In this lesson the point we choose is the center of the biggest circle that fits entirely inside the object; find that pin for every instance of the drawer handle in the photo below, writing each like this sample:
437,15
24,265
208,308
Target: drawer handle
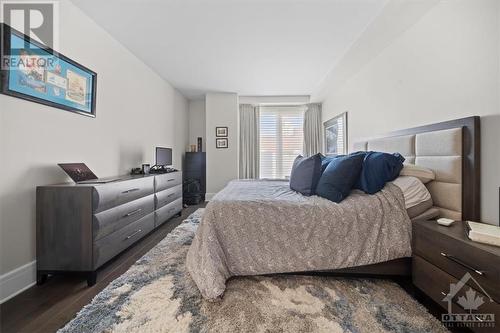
133,212
131,190
135,233
461,263
171,180
171,210
171,194
443,293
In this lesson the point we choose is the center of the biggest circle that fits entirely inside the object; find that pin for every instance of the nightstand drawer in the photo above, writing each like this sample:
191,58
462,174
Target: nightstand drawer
435,283
457,257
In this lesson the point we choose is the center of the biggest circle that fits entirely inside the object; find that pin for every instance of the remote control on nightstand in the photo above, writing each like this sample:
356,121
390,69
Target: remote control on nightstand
444,221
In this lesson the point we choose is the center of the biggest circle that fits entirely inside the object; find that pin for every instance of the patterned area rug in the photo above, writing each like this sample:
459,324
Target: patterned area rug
157,295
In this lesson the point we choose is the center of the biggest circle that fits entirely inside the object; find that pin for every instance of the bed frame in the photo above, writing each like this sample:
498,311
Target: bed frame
469,184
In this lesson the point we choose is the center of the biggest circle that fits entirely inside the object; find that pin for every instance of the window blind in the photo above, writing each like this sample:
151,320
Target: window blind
281,139
340,137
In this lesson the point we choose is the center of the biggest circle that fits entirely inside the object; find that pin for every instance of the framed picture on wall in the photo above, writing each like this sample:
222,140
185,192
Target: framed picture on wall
221,131
221,143
37,73
335,131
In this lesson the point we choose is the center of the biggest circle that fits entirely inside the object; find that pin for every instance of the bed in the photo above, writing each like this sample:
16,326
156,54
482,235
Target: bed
262,227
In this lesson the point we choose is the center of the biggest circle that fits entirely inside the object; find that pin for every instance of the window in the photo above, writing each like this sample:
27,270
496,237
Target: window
281,139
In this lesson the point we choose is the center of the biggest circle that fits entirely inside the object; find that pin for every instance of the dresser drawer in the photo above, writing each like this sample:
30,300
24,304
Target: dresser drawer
113,219
167,196
113,194
436,284
109,246
167,180
167,211
458,257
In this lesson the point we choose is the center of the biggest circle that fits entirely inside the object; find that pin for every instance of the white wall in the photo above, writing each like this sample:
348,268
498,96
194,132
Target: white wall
136,110
222,164
444,65
197,122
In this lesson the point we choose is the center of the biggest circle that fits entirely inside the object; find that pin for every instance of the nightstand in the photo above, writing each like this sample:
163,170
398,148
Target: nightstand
443,256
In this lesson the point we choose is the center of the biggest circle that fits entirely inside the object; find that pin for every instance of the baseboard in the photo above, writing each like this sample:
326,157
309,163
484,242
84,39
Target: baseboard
209,196
17,281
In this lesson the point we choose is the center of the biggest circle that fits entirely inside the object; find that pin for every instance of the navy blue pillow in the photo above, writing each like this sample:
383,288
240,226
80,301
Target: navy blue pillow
325,160
378,169
339,177
305,174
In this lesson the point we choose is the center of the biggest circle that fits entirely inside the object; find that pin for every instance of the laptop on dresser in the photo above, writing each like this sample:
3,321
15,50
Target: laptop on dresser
81,174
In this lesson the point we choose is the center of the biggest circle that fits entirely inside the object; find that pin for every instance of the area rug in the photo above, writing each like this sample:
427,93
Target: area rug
157,295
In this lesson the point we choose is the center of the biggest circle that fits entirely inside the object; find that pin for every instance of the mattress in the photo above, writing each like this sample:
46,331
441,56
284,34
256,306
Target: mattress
255,227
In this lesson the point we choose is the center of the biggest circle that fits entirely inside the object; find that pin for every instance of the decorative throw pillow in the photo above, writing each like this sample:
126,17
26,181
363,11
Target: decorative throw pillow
305,174
378,169
339,176
325,160
416,195
424,174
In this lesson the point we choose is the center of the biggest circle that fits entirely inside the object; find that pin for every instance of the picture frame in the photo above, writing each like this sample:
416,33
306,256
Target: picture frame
221,132
221,143
36,73
335,135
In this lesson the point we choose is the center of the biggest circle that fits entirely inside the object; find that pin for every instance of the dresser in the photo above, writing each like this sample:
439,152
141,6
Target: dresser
446,265
80,227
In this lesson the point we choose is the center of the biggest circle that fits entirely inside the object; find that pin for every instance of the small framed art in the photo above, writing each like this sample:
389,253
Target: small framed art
221,143
221,132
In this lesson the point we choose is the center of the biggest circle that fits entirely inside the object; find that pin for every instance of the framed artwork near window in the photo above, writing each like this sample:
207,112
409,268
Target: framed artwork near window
221,143
36,73
335,131
221,131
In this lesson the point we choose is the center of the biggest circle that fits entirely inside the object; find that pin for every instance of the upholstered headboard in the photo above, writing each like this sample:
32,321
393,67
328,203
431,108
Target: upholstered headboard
452,150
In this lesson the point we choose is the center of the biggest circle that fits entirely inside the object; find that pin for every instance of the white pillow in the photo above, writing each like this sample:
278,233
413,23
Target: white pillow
414,191
425,175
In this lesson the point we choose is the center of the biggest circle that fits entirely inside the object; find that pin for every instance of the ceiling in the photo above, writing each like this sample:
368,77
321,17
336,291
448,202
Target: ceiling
259,47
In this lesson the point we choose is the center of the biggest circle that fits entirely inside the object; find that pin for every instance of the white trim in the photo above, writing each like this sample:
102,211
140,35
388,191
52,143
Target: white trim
17,281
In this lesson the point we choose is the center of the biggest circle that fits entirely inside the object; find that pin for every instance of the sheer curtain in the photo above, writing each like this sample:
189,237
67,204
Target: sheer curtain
249,141
312,130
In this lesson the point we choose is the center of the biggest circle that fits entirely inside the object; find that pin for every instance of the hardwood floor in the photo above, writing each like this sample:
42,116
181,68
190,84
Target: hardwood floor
48,307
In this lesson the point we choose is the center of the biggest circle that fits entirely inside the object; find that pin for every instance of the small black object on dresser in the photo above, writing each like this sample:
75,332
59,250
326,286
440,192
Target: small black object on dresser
194,178
80,227
460,275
